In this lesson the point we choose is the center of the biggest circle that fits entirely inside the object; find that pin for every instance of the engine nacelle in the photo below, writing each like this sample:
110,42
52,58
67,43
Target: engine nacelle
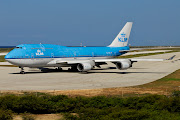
84,67
122,65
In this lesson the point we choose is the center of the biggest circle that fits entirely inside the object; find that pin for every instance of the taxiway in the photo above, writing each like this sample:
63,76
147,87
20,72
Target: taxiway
105,77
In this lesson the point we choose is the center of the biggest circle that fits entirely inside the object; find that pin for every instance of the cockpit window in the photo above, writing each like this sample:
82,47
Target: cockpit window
18,47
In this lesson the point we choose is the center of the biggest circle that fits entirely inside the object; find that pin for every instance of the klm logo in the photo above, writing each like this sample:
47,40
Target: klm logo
122,38
39,52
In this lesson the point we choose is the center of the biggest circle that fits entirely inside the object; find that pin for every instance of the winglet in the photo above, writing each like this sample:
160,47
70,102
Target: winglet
171,57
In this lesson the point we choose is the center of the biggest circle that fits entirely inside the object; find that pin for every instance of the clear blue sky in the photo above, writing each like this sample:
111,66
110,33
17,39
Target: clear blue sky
91,22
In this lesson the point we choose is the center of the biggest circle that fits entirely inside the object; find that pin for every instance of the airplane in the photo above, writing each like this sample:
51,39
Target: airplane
80,59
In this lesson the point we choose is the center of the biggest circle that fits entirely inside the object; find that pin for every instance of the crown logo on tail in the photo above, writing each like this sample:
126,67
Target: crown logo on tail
122,38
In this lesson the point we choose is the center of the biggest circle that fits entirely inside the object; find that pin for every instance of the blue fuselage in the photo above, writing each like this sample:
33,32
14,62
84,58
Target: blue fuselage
29,51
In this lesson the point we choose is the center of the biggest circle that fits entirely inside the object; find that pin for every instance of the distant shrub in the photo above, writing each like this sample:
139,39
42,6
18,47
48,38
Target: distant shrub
171,104
176,93
5,115
69,116
99,107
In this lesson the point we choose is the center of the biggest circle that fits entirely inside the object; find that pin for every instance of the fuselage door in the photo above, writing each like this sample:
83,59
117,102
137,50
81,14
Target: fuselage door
92,54
74,54
32,55
52,55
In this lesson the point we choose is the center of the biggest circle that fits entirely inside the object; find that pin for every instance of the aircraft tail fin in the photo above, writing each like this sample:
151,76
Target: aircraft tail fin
122,38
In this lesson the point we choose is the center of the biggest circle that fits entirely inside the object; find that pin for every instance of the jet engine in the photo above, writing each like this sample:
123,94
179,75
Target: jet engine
85,66
124,64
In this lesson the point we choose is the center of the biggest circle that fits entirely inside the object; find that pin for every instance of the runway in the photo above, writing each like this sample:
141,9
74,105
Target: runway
3,53
106,77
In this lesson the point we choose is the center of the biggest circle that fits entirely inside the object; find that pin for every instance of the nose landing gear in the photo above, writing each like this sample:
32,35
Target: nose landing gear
22,70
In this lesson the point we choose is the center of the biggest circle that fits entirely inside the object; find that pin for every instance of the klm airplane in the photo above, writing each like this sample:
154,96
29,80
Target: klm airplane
80,59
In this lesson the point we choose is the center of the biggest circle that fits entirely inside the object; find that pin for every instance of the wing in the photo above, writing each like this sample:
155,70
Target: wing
86,65
127,63
69,61
131,59
76,61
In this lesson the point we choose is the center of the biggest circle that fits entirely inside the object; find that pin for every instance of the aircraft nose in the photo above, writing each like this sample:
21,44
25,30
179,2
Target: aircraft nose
7,56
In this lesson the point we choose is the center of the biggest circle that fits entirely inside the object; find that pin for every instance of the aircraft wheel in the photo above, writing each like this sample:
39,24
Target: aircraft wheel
22,72
59,69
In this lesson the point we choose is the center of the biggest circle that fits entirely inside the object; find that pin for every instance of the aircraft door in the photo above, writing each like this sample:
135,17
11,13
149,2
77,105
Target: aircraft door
74,54
52,55
92,54
32,55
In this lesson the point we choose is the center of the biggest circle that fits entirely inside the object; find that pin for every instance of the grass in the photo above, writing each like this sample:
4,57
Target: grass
171,79
174,75
5,49
2,58
167,84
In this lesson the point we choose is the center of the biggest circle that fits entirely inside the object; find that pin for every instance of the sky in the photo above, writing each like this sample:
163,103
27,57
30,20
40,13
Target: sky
90,22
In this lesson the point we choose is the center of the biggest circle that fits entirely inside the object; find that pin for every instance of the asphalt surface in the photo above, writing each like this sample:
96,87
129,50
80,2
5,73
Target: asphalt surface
105,77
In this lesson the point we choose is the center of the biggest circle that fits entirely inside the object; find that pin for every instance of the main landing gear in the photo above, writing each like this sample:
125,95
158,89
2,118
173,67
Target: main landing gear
59,69
22,70
73,69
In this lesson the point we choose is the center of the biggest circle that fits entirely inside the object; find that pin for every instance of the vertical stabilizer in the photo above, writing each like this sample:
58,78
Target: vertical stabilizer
122,38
